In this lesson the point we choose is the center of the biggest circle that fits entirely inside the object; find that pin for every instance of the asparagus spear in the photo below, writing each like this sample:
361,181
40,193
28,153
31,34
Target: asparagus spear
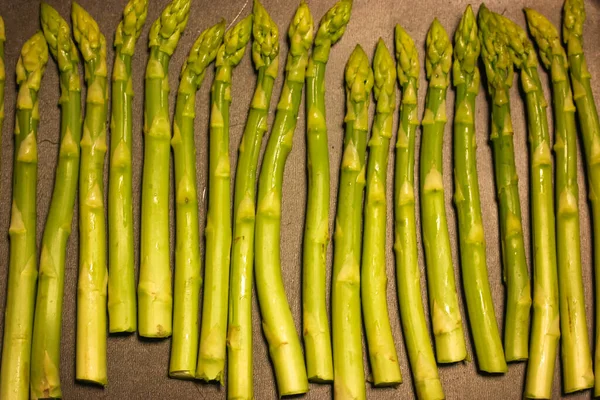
317,337
278,324
2,76
443,300
488,345
382,351
265,54
500,73
45,352
121,280
213,335
184,346
575,351
22,270
349,379
154,288
574,17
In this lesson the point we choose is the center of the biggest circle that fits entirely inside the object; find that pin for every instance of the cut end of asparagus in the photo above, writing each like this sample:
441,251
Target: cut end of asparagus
31,66
204,51
573,20
58,36
331,28
384,73
130,27
359,76
438,58
90,40
407,56
546,37
232,50
166,30
265,46
300,32
466,46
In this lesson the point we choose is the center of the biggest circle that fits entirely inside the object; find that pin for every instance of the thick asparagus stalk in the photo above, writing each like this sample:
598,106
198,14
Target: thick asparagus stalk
349,378
45,351
121,279
265,54
278,325
154,288
488,345
2,76
443,300
184,345
382,351
500,75
317,337
213,335
22,270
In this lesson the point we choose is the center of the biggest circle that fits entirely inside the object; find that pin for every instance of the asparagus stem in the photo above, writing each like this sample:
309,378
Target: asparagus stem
45,352
443,299
500,74
213,335
382,351
488,345
265,54
349,379
154,288
2,76
574,17
184,345
317,337
22,272
278,325
121,279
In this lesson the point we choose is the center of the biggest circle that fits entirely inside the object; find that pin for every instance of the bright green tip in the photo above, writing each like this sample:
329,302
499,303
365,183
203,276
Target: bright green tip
300,32
234,44
2,34
334,22
204,49
466,42
265,46
130,27
58,36
407,56
573,19
545,35
438,58
167,29
384,74
359,76
495,53
86,33
32,61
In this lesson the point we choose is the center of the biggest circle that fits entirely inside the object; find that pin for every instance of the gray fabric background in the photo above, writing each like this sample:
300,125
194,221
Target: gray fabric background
137,369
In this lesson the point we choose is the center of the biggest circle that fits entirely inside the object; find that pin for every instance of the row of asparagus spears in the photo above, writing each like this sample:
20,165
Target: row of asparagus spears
31,347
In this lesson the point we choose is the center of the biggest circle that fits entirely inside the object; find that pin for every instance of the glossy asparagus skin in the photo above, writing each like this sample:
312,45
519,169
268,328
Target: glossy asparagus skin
278,325
22,270
45,350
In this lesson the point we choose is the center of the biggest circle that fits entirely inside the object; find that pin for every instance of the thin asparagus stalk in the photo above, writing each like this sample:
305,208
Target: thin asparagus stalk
2,75
265,54
349,378
154,288
382,351
184,345
574,17
488,345
416,332
45,351
500,74
121,279
443,299
317,337
213,335
278,325
575,350
22,270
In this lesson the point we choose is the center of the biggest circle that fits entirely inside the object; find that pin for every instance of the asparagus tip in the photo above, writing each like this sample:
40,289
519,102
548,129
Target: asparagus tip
545,35
300,31
166,30
407,56
438,59
358,75
384,74
204,49
130,27
333,24
234,43
466,44
265,46
58,36
573,19
31,63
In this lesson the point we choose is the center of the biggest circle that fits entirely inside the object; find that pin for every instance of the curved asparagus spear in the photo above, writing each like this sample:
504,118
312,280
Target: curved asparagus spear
184,345
317,337
213,335
574,17
349,378
500,73
121,279
278,324
575,350
45,351
2,76
265,54
155,299
488,345
382,351
443,300
22,270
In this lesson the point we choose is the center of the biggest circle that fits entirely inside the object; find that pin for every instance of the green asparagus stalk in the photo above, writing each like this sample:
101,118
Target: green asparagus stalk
121,279
184,346
278,325
213,335
488,345
2,76
349,378
265,54
154,288
416,332
382,351
443,299
317,337
575,350
574,17
45,352
500,73
22,270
